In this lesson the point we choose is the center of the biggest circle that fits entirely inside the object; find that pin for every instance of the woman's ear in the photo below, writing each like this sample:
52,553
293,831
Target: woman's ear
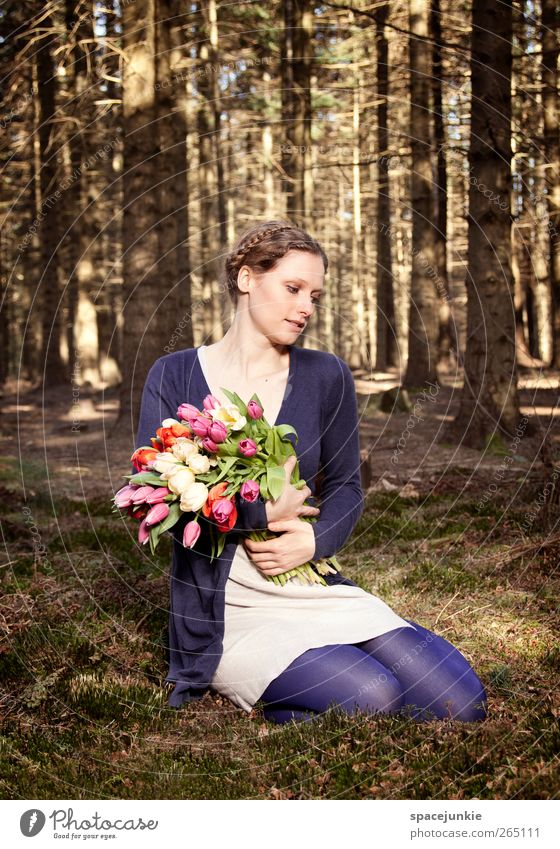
244,278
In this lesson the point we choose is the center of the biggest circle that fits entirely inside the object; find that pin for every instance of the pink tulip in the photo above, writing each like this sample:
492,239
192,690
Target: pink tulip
157,495
123,497
141,494
210,402
217,432
187,411
254,410
157,514
209,445
247,447
250,490
143,532
191,534
199,425
221,510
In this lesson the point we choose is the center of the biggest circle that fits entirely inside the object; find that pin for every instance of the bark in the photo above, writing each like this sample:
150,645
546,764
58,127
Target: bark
489,399
550,31
445,336
296,64
423,316
54,369
386,341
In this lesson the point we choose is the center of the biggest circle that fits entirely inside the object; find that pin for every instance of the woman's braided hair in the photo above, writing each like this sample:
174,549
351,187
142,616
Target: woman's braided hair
262,245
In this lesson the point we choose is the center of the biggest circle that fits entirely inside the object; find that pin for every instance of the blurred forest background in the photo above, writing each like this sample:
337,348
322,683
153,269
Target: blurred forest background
420,146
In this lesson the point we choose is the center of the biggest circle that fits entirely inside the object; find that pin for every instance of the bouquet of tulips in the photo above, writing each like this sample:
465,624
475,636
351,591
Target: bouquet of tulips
199,462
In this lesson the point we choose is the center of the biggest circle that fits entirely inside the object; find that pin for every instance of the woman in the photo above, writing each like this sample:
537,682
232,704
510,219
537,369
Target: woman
300,648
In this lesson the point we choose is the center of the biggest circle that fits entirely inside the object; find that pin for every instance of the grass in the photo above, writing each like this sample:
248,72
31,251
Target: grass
82,667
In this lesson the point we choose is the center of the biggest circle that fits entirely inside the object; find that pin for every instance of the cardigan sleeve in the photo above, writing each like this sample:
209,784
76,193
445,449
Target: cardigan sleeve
342,499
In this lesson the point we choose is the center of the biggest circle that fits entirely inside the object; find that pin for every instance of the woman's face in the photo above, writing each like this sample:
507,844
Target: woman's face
281,301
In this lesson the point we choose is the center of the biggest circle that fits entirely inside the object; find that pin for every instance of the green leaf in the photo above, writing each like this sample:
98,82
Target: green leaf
151,478
221,543
275,479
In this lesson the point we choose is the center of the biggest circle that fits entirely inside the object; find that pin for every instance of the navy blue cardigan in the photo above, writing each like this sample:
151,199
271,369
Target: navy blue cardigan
320,403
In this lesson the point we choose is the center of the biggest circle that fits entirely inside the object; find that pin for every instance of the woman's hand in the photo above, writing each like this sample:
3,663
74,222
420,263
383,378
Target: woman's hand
295,546
290,505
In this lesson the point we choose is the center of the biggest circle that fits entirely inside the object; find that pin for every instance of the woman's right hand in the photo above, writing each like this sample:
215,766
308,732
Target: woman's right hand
290,505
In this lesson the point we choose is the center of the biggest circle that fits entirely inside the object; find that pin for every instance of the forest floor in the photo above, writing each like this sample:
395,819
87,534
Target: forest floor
451,538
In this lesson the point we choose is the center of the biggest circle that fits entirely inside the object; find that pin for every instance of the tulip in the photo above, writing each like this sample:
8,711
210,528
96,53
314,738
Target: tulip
141,494
230,415
158,513
143,457
221,510
199,425
194,497
250,490
247,447
123,497
199,464
165,463
180,480
191,534
183,449
143,533
169,422
210,402
187,411
209,445
254,410
158,495
138,512
217,432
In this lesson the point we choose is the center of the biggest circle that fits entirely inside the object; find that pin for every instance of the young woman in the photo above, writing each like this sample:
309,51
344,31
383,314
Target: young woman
300,648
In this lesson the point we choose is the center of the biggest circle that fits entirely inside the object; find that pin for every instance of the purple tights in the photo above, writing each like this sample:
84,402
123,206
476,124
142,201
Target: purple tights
412,671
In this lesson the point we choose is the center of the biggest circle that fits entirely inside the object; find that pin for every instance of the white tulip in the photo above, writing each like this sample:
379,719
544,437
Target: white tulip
165,462
199,463
169,422
230,415
180,480
184,448
194,497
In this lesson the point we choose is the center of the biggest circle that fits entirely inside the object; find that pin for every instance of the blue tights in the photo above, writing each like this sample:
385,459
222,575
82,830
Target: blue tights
411,671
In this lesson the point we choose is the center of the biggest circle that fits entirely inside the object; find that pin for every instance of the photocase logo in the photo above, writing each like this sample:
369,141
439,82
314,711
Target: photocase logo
31,822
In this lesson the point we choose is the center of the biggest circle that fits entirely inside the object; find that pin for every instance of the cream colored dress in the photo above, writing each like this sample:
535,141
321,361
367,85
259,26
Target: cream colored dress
267,626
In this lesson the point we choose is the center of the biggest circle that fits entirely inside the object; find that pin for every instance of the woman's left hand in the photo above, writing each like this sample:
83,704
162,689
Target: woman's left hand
295,546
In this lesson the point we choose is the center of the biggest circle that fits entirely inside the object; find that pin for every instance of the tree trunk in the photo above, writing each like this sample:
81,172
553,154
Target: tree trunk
386,342
440,192
296,63
423,316
489,399
54,369
142,339
550,30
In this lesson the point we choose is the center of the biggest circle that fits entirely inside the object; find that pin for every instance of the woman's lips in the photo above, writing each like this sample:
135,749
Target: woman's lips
295,324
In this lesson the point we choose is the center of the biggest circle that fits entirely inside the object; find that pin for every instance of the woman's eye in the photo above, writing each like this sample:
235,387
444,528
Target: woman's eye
291,289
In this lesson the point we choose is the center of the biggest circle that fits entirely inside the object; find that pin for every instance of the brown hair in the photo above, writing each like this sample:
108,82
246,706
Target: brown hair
262,246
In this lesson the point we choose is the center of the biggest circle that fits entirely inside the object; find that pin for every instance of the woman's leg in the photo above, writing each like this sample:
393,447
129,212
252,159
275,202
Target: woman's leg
340,675
435,677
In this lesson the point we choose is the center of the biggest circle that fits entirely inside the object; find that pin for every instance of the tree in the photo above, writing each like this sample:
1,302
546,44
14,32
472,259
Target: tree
489,399
423,320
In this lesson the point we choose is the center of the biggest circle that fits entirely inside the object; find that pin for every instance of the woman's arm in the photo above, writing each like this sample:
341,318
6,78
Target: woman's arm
342,499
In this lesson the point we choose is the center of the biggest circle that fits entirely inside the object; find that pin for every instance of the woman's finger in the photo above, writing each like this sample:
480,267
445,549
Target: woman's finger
307,510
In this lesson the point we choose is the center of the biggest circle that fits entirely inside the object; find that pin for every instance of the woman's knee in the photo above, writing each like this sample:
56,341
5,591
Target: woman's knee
380,693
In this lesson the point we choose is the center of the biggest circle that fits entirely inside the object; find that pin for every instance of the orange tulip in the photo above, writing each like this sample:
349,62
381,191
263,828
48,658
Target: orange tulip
142,457
168,435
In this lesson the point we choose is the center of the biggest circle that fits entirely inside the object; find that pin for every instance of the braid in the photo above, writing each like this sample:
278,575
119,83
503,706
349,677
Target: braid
235,259
262,246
